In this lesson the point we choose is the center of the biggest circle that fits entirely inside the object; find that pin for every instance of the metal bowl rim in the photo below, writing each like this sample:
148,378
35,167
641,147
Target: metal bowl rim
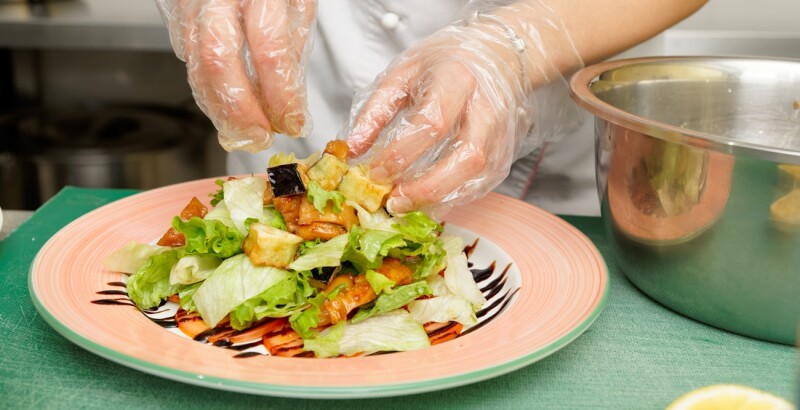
581,93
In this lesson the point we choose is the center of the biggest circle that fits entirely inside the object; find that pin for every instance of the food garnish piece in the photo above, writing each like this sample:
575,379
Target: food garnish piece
328,171
191,324
309,214
268,196
286,180
395,271
268,246
338,149
786,209
226,336
193,209
442,332
791,170
729,396
289,208
320,230
281,340
356,186
357,292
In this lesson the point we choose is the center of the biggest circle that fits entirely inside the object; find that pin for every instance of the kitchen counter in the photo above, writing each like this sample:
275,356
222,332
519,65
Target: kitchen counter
637,354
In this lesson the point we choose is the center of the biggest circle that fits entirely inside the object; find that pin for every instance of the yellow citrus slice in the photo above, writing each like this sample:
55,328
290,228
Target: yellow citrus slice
787,208
793,170
729,397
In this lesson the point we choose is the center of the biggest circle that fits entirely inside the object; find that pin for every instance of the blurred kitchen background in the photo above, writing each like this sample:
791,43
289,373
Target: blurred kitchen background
92,95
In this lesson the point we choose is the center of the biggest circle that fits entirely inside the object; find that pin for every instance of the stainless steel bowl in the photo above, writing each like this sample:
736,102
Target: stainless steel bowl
698,168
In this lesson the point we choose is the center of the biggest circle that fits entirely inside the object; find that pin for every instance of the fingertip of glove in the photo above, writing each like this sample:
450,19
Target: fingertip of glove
399,205
294,124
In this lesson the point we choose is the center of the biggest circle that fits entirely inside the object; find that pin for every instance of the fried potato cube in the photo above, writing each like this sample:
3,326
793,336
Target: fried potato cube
357,186
268,246
320,230
309,214
328,171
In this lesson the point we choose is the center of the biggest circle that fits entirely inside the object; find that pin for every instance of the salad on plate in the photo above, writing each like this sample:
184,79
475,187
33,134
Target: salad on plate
305,261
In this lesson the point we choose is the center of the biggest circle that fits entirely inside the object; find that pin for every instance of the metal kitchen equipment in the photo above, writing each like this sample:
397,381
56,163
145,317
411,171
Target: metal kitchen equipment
103,147
698,169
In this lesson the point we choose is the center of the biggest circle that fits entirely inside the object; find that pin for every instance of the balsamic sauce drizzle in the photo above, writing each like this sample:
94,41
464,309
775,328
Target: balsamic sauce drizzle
166,316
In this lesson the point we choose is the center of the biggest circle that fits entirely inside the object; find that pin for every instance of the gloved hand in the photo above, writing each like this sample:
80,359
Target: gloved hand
448,117
246,64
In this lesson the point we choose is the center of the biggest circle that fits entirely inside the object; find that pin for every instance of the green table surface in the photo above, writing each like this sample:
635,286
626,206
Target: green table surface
637,355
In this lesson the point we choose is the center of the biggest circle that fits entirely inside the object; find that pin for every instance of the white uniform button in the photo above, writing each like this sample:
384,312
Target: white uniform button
390,21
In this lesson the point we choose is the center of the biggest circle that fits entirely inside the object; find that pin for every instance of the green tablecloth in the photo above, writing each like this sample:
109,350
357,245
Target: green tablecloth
637,355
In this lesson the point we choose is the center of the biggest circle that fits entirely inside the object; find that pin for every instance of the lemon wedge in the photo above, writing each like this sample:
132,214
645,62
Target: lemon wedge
787,208
729,397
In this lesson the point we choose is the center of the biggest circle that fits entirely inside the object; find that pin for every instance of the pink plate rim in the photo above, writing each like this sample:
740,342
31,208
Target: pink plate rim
564,287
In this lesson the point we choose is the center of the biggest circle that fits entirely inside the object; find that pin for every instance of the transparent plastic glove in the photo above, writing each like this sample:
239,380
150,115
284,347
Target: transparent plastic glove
448,117
246,64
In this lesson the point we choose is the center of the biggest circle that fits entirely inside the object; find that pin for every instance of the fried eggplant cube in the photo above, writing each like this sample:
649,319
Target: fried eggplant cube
268,246
357,186
328,171
286,180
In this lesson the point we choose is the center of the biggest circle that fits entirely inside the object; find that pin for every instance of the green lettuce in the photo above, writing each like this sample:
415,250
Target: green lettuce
379,282
460,281
395,331
220,213
387,302
443,309
150,284
131,257
366,248
244,199
219,194
193,268
424,251
326,343
378,220
209,236
280,300
186,295
232,283
303,322
320,255
418,227
320,197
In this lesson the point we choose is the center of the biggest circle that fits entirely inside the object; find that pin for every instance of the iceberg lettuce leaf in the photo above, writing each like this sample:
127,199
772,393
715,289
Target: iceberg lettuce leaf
460,281
244,198
443,309
326,343
418,227
378,220
366,248
387,302
395,331
320,197
193,268
232,283
131,257
379,282
323,254
303,322
150,284
209,236
280,300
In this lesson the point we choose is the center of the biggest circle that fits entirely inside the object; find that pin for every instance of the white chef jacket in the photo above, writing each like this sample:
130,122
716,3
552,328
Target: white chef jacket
356,40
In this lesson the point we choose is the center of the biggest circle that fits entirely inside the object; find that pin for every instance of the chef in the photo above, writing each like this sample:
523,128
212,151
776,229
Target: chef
447,99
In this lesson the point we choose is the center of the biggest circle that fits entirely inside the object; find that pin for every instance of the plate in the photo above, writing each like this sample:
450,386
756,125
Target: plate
556,286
